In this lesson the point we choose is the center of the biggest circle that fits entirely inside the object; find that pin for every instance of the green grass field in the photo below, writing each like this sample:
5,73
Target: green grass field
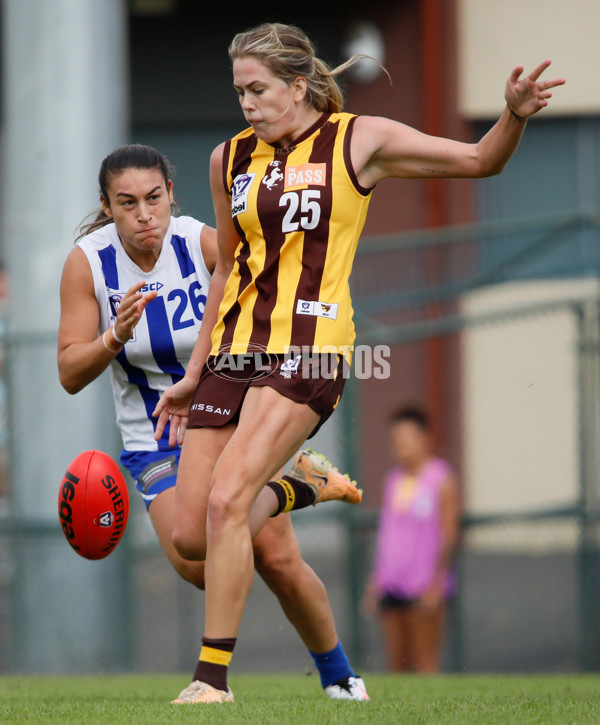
282,699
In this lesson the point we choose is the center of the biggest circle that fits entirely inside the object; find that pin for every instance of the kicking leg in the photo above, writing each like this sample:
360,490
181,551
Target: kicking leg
304,600
299,590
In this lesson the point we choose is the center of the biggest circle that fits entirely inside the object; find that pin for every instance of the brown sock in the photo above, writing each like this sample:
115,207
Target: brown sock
292,494
215,657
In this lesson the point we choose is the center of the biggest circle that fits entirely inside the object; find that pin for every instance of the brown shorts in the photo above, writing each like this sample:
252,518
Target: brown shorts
313,380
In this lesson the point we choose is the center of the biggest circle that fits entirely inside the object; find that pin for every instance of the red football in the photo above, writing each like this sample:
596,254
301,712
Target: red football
93,504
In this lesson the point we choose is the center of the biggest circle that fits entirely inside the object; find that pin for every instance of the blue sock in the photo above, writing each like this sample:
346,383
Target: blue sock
333,665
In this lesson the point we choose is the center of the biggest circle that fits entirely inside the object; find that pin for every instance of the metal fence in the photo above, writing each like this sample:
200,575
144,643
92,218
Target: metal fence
516,310
529,577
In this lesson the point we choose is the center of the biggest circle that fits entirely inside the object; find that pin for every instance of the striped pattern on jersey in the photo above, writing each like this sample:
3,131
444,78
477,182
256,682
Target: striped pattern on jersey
299,213
165,336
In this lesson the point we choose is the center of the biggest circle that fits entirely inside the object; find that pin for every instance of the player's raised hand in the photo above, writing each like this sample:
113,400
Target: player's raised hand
131,309
526,96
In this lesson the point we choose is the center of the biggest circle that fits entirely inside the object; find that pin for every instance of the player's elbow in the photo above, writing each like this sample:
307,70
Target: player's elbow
71,389
485,164
70,374
491,168
69,383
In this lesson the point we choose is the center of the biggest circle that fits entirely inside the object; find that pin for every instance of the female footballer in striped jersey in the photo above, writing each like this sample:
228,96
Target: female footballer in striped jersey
139,276
291,194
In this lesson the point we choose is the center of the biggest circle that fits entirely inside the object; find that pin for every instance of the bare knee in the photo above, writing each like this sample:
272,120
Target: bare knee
179,553
227,509
224,510
272,561
188,546
280,569
190,571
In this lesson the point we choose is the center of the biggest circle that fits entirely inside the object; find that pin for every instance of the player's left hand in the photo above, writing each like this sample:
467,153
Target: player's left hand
173,406
131,309
528,95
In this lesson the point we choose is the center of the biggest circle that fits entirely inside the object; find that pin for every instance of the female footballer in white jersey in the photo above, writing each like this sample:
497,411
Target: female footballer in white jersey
132,293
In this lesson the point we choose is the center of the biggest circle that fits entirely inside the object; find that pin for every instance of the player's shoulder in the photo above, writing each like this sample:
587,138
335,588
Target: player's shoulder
198,238
369,124
183,223
187,227
97,239
243,134
342,116
77,274
223,151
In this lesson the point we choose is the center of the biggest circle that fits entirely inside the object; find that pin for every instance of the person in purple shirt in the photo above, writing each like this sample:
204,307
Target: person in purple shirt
417,535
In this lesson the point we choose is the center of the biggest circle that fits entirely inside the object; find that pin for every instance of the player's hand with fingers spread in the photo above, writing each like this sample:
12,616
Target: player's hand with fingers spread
174,405
131,309
526,96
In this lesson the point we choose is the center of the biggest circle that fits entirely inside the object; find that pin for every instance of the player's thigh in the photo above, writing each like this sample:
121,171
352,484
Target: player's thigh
271,428
199,454
161,515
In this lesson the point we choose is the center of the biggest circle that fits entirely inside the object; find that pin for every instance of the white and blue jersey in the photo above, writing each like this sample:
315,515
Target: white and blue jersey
164,338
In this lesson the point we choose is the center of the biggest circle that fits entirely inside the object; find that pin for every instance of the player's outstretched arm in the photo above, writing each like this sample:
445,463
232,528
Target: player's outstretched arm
382,148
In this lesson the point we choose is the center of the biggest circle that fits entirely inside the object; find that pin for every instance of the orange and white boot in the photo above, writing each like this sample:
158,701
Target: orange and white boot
328,483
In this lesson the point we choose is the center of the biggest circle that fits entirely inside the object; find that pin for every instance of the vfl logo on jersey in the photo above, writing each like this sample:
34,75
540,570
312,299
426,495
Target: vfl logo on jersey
290,366
115,299
328,310
239,193
274,176
303,175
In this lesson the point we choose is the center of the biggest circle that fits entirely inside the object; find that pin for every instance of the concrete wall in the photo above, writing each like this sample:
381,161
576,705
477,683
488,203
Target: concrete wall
495,36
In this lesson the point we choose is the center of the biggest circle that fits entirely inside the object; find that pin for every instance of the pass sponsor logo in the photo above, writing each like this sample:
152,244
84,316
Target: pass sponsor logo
303,175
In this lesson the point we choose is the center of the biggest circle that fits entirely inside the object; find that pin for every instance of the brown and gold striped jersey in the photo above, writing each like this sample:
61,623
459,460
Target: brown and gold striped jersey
299,213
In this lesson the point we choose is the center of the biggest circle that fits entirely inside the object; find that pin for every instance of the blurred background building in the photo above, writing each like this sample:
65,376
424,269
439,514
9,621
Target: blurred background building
487,293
